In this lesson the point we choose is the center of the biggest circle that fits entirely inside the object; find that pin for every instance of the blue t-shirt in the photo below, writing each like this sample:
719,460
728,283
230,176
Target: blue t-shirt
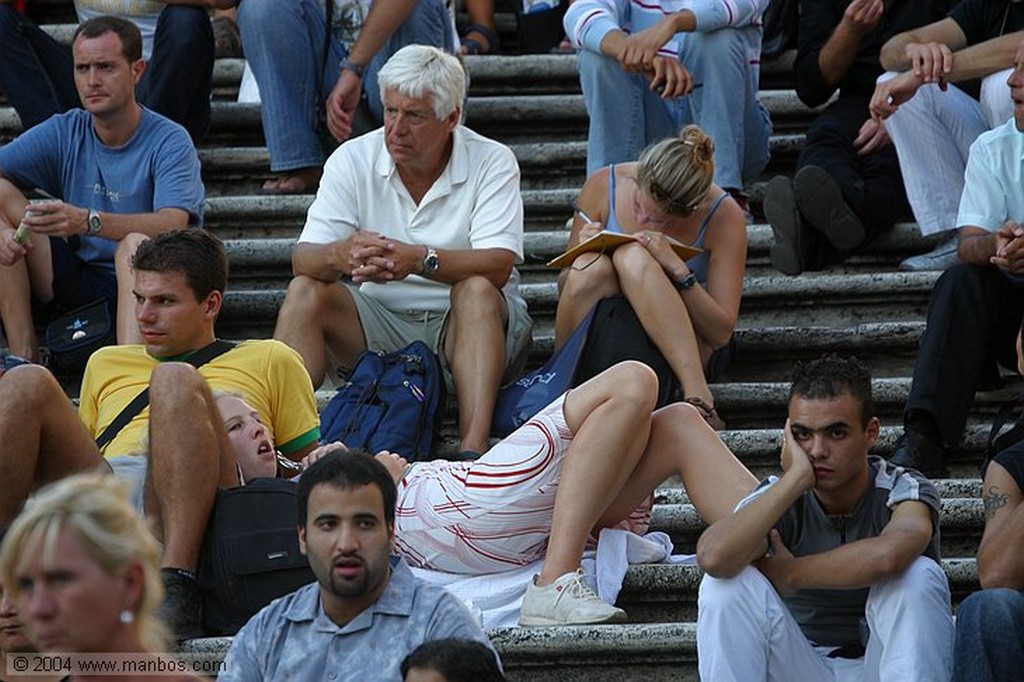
157,168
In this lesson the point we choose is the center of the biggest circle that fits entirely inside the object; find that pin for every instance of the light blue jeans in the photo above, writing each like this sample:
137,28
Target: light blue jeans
626,115
284,43
933,132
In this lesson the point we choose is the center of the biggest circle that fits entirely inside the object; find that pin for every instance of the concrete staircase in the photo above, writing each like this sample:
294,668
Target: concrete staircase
533,104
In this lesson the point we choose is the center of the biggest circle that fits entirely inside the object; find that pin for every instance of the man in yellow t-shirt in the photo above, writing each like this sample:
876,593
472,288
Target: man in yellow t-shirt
175,452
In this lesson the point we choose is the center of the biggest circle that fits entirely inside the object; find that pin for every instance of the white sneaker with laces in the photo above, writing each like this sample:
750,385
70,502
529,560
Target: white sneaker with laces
566,601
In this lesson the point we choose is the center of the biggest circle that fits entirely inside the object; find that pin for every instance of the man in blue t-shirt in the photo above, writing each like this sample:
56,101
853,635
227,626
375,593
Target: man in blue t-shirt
123,174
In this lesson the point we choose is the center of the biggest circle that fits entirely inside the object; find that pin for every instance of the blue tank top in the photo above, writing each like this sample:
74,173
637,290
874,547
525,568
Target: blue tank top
698,264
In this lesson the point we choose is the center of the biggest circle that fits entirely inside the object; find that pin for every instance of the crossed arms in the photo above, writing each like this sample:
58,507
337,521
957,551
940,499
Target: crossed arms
746,536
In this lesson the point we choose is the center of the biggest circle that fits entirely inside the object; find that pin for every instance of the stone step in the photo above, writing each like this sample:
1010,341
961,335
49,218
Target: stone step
754,432
250,253
505,117
962,521
812,308
543,165
637,651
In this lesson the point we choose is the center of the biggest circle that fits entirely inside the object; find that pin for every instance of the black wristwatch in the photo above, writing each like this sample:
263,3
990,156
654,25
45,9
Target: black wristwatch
431,264
685,283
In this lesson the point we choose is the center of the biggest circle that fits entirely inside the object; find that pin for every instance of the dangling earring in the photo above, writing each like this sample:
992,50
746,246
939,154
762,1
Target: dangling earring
127,617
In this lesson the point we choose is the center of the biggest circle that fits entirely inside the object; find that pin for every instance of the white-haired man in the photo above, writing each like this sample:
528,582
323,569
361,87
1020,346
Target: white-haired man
414,234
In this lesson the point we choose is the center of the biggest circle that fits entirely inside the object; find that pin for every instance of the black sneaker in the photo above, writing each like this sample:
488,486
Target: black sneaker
914,451
822,204
181,609
792,246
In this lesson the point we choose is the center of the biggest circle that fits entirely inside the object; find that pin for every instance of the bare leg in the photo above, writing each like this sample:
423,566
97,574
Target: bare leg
610,417
580,288
475,348
317,315
15,288
682,442
189,457
42,438
16,311
663,316
127,325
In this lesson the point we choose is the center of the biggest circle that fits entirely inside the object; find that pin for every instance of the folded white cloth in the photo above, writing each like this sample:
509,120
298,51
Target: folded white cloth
495,599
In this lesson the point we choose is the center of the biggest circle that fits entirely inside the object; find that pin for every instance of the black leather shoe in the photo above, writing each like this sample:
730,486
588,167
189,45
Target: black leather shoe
914,451
181,609
791,248
822,204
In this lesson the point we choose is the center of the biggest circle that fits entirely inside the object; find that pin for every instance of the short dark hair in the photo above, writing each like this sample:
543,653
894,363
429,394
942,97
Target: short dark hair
459,660
127,31
195,253
830,376
347,470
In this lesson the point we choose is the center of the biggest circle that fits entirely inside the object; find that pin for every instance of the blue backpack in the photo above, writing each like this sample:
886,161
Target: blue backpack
391,402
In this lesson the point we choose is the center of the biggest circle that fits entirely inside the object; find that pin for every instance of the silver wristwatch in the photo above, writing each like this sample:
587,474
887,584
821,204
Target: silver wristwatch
93,224
431,264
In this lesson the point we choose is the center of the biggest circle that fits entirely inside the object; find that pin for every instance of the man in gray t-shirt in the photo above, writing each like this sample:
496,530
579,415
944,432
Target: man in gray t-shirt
830,570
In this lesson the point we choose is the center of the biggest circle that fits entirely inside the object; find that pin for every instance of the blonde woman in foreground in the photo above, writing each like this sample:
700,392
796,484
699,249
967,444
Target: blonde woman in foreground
83,570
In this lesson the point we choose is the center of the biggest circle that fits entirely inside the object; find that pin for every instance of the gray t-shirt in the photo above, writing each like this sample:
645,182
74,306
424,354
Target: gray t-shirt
833,617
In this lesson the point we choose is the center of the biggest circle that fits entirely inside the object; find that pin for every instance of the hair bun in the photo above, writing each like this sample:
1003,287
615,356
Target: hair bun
702,145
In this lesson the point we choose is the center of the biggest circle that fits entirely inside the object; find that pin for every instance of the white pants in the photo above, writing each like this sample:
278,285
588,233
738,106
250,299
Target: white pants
933,132
745,633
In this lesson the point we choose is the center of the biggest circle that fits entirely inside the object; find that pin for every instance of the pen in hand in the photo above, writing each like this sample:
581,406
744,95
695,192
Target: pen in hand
579,211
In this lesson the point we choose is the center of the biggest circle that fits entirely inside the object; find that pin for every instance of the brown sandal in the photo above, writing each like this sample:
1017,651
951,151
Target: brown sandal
298,181
709,413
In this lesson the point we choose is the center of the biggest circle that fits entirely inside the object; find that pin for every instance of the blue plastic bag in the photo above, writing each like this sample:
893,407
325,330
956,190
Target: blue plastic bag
531,393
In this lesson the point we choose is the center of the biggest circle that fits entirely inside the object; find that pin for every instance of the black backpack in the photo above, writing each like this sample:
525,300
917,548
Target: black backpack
250,553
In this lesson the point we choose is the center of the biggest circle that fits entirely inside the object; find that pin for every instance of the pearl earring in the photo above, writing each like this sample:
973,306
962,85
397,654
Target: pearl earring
127,617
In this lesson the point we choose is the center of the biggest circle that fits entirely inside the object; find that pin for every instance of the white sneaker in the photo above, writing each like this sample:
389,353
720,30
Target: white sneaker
942,257
567,601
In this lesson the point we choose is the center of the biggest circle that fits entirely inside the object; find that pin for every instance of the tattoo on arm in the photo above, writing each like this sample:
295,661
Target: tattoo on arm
993,500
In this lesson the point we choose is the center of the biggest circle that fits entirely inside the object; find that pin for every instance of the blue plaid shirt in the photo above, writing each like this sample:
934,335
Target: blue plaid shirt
293,639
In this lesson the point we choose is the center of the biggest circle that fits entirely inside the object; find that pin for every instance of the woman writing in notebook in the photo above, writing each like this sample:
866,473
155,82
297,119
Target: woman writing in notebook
688,308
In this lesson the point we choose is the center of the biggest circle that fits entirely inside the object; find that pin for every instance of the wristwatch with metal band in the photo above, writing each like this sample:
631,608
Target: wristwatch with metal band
430,262
93,225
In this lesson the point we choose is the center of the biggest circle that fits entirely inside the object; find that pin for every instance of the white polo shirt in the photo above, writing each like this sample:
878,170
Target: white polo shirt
994,180
474,204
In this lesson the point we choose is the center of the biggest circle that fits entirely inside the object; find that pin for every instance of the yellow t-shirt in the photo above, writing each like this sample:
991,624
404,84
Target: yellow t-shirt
268,374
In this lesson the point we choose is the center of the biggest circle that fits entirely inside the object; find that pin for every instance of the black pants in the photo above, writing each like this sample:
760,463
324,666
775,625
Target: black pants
872,184
973,318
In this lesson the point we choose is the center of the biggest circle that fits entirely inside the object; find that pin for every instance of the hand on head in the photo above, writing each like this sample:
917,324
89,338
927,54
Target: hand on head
794,459
324,449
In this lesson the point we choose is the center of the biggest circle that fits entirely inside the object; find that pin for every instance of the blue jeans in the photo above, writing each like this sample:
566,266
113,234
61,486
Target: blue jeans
284,43
37,72
990,637
626,116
